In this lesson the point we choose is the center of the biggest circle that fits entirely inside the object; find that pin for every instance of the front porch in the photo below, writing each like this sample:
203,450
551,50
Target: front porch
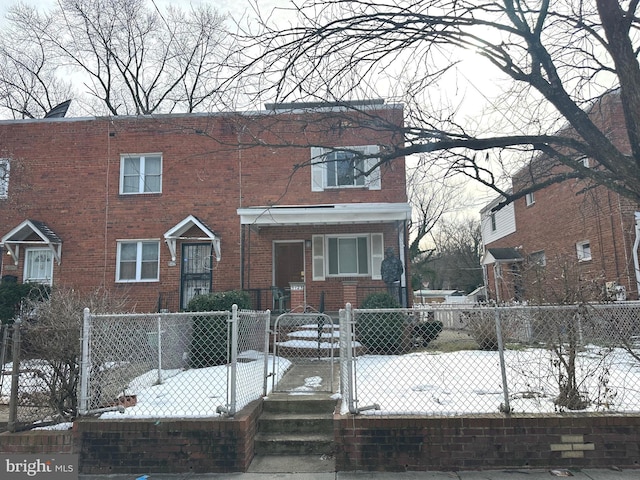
285,300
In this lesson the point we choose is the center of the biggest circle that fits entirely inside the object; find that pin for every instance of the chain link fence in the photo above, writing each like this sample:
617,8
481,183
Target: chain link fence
308,342
192,364
39,374
457,360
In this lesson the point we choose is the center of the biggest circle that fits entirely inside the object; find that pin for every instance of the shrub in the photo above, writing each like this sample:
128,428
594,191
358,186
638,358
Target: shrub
219,301
13,294
381,332
209,341
483,330
427,331
51,336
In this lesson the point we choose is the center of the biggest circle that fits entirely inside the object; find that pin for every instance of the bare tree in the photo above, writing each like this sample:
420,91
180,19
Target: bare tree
563,63
130,58
455,263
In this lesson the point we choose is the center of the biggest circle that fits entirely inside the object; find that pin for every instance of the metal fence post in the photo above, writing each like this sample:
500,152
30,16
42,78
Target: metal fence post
267,337
15,373
159,350
234,359
505,407
85,359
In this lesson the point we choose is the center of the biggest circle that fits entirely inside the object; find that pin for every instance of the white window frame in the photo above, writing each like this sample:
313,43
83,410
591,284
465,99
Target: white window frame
492,220
29,255
583,250
138,261
320,169
538,258
321,259
530,199
141,174
4,177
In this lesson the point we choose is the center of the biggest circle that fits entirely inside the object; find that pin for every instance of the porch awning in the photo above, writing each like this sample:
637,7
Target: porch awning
334,214
31,233
177,233
501,255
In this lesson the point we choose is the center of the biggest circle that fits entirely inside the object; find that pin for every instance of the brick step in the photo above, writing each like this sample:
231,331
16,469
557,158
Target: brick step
292,444
273,423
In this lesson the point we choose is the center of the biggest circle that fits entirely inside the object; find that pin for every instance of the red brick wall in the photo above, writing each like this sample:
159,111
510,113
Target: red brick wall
168,445
40,441
65,172
457,443
362,442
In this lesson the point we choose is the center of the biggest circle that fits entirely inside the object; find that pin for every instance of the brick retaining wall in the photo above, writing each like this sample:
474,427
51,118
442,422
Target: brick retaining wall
454,443
363,442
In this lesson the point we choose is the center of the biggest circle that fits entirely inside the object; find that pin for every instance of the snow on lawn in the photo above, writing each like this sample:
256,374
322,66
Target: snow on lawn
468,382
197,392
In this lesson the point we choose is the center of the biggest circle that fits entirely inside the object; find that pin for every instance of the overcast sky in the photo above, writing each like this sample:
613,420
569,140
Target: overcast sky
236,8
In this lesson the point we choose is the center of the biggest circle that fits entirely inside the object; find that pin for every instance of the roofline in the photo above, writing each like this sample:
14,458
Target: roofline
299,108
333,214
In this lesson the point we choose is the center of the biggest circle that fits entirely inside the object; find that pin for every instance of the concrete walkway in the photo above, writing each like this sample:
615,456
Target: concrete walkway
513,474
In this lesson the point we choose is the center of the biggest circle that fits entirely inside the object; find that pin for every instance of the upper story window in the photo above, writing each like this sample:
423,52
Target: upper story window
493,222
529,199
344,167
140,174
4,178
583,250
138,261
38,265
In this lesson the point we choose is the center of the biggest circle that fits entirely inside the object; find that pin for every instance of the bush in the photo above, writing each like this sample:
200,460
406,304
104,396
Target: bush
427,331
13,294
482,327
381,333
219,301
51,336
209,341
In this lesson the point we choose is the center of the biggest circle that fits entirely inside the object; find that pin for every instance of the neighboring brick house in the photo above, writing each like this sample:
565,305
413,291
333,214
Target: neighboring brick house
161,208
565,237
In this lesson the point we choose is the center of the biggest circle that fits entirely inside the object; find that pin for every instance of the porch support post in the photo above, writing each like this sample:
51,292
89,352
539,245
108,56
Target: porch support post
350,292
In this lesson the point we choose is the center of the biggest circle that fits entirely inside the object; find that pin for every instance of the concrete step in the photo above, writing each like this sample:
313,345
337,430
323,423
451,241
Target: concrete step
299,423
295,404
293,464
293,444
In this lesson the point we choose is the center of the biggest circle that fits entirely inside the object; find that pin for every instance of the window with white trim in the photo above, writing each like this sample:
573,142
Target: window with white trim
538,259
138,261
347,255
529,199
583,250
4,178
492,217
140,174
38,266
344,167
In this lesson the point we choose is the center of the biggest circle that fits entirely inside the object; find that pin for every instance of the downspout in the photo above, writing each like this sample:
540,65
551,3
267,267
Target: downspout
636,243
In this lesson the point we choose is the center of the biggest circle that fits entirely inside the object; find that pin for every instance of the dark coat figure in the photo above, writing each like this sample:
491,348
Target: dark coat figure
391,271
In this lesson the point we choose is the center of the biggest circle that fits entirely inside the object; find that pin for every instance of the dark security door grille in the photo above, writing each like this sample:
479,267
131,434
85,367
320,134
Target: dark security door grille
196,271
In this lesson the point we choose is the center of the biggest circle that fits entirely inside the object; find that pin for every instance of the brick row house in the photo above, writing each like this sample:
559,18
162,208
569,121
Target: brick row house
568,242
286,203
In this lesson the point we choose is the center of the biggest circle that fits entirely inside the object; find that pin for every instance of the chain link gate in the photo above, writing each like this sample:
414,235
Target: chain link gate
308,343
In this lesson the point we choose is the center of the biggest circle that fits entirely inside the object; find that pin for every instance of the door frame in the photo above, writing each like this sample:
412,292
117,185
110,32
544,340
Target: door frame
274,263
182,275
